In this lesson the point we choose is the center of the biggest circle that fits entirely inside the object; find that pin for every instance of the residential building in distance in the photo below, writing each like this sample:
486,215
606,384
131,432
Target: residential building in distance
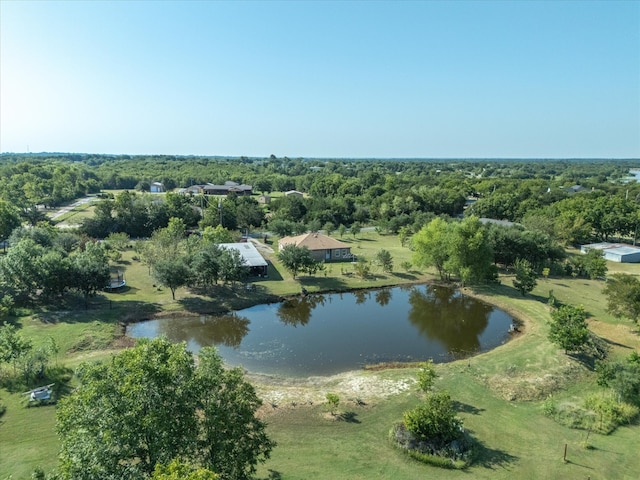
322,247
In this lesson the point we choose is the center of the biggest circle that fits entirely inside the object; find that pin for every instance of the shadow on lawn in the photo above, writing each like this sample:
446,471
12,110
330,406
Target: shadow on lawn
491,458
507,291
466,408
405,276
349,417
200,305
77,311
329,283
58,376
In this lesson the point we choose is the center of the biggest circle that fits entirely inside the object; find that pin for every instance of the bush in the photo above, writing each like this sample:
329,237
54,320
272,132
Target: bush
599,413
426,376
609,412
457,454
333,400
434,420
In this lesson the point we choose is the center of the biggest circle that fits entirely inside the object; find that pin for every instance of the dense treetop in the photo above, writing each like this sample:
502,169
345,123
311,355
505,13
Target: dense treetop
572,201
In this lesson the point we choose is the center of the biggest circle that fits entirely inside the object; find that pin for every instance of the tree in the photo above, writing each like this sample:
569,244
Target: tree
434,420
182,471
12,346
217,234
426,376
333,400
404,233
431,246
595,264
622,377
329,228
355,229
362,268
9,219
57,273
129,414
231,266
623,296
525,279
262,185
150,405
282,228
173,273
119,241
568,328
471,256
232,440
205,264
384,258
297,259
19,268
91,269
248,213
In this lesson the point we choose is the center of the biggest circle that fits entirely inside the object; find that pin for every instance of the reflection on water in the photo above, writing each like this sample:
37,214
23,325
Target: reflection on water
449,316
383,296
227,330
297,311
326,334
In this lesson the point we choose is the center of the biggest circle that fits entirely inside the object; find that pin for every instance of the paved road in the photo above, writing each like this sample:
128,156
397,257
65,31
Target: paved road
70,207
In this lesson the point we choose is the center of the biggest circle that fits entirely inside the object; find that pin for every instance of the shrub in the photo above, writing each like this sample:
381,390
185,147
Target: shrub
333,400
609,413
434,420
426,376
598,413
458,454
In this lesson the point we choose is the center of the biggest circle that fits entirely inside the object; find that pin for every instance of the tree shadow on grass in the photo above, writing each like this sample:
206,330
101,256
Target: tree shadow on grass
349,417
328,283
123,311
466,408
507,291
491,458
200,305
405,276
57,376
611,342
273,475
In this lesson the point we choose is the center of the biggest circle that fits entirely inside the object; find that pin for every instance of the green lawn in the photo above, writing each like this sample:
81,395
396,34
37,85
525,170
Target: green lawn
500,393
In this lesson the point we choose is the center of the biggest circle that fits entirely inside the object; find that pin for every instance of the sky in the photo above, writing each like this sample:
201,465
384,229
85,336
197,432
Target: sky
339,79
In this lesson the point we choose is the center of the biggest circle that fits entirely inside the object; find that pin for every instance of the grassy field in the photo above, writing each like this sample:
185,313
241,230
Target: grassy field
499,393
499,397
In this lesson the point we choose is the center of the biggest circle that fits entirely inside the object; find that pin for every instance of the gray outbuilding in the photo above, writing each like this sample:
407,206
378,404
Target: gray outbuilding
615,252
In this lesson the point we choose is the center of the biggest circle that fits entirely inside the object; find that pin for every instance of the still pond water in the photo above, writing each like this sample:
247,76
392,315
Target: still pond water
332,333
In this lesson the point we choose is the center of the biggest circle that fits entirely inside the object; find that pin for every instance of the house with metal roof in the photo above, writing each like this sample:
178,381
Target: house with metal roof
615,252
251,257
322,247
212,189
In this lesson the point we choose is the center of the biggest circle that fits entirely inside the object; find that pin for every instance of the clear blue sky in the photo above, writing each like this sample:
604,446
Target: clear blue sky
377,79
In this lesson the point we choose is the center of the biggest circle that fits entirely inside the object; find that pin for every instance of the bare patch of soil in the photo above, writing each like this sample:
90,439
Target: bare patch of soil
360,388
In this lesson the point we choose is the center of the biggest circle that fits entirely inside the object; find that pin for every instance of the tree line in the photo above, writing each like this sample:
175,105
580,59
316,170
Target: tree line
392,195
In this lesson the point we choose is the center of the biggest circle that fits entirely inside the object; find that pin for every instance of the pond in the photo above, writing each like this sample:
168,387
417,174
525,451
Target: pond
331,333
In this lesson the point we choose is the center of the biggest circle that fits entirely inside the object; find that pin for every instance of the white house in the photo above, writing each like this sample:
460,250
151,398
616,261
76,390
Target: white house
156,187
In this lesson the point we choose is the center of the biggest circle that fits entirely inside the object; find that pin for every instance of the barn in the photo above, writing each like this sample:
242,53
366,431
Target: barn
615,252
